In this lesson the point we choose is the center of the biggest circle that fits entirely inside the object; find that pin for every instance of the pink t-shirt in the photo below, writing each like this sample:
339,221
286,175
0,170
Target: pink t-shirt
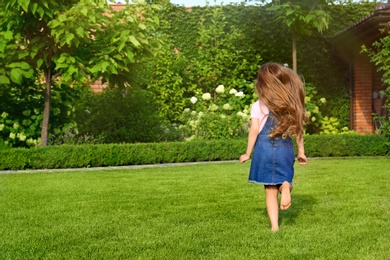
260,112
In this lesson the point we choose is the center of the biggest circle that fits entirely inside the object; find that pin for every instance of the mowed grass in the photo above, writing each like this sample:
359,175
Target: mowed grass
340,210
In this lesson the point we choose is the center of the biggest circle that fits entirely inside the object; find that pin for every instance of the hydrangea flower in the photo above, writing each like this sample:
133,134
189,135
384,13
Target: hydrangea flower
307,99
227,106
193,100
239,94
16,125
12,135
313,119
21,136
1,127
242,115
30,141
206,96
213,107
4,115
190,138
186,110
232,91
193,123
239,113
220,89
323,100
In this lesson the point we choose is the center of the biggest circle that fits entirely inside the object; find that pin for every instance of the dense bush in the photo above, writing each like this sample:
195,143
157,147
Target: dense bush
21,112
122,115
76,156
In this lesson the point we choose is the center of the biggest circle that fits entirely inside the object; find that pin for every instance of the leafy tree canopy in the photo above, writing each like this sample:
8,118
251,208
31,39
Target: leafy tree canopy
74,41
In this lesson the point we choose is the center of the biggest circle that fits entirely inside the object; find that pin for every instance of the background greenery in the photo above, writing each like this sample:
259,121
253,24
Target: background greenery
88,155
198,50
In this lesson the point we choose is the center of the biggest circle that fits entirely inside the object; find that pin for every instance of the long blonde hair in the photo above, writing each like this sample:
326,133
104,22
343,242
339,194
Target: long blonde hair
283,92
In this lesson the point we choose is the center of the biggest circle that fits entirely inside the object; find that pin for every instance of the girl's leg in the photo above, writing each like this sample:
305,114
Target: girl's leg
271,201
285,190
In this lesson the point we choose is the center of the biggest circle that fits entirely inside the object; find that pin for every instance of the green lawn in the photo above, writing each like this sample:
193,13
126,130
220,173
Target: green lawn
341,210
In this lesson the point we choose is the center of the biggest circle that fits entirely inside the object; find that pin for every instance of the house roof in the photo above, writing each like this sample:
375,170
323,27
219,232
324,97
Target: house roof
366,30
367,27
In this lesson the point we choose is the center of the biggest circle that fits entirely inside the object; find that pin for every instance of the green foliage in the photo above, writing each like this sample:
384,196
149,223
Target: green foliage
313,104
331,125
121,115
349,144
74,41
21,115
260,35
301,17
21,112
338,108
76,156
219,57
318,123
125,47
166,83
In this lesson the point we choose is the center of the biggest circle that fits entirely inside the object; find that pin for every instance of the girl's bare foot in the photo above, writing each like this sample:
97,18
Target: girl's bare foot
285,190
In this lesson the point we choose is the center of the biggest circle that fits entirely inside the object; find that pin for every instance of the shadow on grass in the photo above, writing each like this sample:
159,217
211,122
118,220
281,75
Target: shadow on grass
300,204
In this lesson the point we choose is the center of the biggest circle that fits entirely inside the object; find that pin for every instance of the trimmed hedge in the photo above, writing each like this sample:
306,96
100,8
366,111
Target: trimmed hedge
80,156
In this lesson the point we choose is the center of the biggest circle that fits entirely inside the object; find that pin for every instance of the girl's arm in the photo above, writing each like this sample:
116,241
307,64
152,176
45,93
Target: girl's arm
302,159
252,136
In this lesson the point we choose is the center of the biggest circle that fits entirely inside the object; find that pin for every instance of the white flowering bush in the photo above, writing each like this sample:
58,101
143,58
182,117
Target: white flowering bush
223,114
19,132
21,113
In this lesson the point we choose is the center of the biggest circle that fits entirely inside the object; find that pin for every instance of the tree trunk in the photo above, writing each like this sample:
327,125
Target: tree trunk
46,111
294,53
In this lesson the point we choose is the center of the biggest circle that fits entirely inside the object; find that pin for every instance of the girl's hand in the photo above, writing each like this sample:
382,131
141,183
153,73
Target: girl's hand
244,158
302,159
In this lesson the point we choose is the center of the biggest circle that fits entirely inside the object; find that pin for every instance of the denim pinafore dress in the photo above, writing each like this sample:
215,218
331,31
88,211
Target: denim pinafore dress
273,159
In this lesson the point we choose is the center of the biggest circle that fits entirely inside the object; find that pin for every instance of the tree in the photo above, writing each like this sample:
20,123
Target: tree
301,17
75,42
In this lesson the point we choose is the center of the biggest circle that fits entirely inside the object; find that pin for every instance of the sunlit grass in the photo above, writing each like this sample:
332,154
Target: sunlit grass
341,210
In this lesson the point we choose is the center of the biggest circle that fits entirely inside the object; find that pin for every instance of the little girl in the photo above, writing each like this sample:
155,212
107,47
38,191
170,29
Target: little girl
275,117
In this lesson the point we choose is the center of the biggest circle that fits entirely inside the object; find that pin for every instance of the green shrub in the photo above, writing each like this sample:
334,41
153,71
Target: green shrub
79,156
21,112
346,145
122,115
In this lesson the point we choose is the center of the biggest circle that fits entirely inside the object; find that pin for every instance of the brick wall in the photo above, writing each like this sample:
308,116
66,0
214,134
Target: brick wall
362,93
98,86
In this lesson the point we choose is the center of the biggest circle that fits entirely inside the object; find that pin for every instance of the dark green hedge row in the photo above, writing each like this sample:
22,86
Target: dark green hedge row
79,156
